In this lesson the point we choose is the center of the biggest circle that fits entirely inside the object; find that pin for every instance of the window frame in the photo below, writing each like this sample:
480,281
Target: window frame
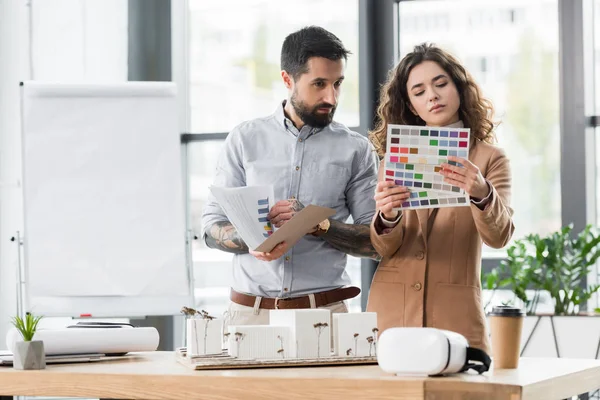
379,49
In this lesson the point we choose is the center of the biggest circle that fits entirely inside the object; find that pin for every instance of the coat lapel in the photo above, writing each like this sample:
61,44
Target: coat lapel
423,215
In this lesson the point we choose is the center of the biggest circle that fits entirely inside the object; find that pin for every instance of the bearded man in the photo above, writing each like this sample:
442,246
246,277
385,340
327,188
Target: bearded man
309,159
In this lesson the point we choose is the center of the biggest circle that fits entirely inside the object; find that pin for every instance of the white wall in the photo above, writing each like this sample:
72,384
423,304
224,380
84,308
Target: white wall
68,40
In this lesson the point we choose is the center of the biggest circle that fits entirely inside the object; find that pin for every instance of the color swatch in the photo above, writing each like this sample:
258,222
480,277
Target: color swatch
413,159
263,212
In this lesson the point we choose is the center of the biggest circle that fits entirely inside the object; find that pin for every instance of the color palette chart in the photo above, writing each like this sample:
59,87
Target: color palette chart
414,157
263,212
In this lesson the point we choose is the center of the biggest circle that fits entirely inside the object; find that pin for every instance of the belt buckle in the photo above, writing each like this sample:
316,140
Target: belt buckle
276,305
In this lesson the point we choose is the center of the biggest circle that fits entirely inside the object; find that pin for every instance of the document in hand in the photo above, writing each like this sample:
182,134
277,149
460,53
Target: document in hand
247,208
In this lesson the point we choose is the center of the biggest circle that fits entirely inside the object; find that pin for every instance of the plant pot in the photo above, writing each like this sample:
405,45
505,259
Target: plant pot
29,355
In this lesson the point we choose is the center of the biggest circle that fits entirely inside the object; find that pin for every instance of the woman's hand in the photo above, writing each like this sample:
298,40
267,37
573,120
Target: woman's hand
467,177
389,196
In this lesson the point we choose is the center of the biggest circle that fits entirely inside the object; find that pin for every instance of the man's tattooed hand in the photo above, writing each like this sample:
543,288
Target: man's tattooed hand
283,211
223,236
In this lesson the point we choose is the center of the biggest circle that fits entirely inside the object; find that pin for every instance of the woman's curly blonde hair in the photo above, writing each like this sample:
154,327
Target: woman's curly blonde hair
475,111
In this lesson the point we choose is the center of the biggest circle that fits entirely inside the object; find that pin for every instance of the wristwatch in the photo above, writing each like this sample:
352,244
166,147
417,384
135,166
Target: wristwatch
322,228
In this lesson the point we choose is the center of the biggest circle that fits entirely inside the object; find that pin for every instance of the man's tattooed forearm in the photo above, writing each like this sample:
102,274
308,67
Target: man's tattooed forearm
223,236
354,240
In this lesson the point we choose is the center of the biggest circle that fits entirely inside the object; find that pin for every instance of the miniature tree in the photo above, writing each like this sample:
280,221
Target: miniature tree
375,331
356,344
188,312
370,340
208,318
319,326
238,339
191,313
281,349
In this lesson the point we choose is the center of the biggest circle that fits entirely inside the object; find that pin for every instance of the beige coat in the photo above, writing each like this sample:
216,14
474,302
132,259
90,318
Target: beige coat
435,282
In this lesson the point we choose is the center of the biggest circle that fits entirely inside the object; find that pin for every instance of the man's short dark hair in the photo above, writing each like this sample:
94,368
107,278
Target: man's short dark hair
308,42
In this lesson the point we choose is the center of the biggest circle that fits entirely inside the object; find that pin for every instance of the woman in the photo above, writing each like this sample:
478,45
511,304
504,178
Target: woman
430,271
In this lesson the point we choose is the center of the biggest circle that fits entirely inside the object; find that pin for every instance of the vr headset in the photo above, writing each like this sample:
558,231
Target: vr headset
428,351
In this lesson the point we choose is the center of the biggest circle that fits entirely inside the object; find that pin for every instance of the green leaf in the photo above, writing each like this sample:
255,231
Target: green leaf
28,326
557,263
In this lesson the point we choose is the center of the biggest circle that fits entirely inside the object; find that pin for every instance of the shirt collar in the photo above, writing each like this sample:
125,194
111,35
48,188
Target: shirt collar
286,122
280,115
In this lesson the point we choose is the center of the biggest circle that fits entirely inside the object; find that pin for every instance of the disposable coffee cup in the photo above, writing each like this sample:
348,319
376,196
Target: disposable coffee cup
506,325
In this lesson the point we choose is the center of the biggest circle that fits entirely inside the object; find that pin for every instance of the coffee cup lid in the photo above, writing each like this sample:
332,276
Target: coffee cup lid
507,311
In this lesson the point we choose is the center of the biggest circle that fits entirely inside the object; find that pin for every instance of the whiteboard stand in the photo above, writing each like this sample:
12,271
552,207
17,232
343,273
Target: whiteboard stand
20,282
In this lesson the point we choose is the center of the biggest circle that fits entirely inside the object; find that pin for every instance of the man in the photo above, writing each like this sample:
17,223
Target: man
309,159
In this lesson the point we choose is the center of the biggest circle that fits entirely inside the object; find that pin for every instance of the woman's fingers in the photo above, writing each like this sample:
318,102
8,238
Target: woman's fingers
390,191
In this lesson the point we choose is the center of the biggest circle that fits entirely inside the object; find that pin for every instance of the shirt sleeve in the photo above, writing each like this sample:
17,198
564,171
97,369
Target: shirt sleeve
486,200
389,224
229,173
361,188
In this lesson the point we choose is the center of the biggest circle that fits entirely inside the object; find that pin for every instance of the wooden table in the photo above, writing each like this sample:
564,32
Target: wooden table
159,376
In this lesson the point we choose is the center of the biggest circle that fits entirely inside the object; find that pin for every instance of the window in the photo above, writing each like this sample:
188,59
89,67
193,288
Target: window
212,268
522,83
234,53
234,75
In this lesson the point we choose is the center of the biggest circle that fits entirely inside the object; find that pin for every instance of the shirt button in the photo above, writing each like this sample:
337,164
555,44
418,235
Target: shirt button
420,255
300,140
292,197
417,286
285,289
297,168
287,258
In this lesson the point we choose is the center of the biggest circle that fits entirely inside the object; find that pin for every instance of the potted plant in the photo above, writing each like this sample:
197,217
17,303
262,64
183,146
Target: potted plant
556,265
29,353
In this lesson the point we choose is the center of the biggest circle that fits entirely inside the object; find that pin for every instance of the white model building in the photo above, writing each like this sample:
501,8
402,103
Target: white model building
310,335
203,336
300,333
258,342
355,334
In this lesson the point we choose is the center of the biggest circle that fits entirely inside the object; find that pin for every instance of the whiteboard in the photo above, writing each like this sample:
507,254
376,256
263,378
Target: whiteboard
104,211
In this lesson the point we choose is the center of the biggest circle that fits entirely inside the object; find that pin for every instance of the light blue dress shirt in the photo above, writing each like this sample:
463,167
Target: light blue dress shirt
332,167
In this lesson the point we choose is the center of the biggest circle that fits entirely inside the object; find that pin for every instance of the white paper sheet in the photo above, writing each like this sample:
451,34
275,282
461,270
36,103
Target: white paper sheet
92,340
247,209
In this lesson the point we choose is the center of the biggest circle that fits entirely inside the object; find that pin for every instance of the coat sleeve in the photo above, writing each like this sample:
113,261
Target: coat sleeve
387,243
494,223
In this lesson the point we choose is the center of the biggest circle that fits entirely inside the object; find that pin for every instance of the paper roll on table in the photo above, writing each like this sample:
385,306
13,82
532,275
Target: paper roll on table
92,340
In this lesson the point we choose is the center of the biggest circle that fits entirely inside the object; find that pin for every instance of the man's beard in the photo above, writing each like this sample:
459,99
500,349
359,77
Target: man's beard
309,115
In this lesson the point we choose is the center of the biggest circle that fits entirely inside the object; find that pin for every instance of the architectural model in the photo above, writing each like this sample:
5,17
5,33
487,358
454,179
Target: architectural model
355,334
305,334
